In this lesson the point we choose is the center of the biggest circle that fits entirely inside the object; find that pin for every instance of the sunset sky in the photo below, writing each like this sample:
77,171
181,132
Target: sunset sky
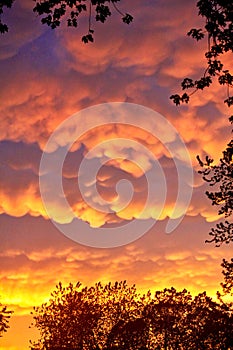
47,76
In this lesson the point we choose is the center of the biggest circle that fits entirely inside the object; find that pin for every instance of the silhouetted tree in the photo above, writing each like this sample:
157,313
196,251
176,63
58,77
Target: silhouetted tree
209,325
84,318
127,335
179,322
218,15
227,285
4,319
115,317
219,33
166,314
52,12
220,177
67,319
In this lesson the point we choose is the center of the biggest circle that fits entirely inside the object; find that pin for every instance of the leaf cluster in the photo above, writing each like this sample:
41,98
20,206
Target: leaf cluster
52,12
4,319
227,285
220,177
8,4
218,29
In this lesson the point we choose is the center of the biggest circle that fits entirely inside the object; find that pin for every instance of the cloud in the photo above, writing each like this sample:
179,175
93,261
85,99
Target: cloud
114,161
23,26
53,76
33,261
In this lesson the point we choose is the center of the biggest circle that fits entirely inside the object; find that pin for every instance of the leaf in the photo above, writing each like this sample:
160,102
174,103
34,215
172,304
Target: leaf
127,18
87,38
187,83
229,101
3,28
176,99
200,161
196,34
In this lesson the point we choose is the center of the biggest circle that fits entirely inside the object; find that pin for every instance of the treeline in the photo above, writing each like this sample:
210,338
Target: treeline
115,316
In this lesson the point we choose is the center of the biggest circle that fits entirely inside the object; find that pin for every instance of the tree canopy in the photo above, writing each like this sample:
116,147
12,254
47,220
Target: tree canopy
227,285
220,177
218,30
115,316
82,318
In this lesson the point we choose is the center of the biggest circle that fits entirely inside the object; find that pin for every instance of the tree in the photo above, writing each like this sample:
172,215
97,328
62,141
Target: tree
221,177
227,285
209,324
166,314
219,32
4,319
133,334
218,29
84,318
180,322
67,317
52,12
218,15
116,317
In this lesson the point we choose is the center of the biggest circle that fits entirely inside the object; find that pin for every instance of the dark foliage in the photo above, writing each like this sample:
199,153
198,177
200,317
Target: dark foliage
4,3
86,318
4,319
220,177
53,11
115,316
166,315
227,285
218,30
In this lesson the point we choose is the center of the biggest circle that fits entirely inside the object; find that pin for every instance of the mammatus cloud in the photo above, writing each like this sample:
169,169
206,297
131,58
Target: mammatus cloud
52,77
116,160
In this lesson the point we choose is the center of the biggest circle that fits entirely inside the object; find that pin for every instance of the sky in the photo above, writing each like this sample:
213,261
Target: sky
49,75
